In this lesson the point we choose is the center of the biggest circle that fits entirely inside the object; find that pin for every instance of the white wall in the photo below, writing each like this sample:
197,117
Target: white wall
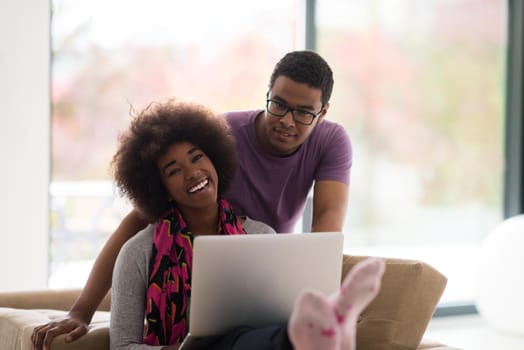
25,143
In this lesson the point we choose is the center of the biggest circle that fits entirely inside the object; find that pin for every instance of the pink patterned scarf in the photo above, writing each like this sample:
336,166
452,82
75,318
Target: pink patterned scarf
170,275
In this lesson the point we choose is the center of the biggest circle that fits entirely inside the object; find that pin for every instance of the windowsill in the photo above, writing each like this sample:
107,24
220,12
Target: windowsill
458,262
471,332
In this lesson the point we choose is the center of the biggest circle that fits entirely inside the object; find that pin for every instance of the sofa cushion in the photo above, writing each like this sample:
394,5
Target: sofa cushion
398,317
16,327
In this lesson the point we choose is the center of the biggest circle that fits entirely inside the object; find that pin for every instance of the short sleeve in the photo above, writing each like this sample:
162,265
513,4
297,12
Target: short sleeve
336,155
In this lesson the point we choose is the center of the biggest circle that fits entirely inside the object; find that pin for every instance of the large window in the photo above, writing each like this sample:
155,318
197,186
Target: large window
420,89
110,57
419,85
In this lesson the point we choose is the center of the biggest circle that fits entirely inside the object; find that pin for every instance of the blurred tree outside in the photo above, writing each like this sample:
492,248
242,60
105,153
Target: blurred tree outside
108,64
419,85
420,88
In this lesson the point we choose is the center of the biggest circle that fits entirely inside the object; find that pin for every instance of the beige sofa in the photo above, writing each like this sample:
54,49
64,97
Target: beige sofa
395,320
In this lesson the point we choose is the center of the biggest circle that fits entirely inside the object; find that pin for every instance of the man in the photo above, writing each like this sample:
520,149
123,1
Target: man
282,151
290,145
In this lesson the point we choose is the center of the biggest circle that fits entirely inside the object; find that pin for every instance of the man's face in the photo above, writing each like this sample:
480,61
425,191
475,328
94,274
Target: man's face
282,136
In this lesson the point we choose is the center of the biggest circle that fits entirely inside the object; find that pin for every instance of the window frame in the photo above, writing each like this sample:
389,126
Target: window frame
514,131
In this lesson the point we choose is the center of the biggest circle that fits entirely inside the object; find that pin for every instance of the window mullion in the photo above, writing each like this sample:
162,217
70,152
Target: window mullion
514,146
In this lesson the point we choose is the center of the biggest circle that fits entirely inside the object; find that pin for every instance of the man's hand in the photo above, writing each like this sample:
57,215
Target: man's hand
74,325
43,335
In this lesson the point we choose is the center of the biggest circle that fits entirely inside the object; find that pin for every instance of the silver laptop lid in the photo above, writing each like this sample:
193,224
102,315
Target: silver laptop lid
253,280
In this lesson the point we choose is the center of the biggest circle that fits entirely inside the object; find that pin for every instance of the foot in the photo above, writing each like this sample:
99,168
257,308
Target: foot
312,325
360,286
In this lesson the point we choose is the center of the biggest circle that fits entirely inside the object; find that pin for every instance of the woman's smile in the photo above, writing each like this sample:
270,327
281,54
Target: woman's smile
199,186
189,176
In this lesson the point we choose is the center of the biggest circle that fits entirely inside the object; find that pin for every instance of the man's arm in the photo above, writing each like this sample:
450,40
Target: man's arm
330,200
97,286
99,280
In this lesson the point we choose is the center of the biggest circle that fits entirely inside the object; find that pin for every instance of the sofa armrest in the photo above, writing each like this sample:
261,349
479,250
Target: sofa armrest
398,317
16,327
46,299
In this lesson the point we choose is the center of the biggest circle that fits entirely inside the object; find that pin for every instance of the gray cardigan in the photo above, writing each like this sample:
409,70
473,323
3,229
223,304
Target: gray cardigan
128,293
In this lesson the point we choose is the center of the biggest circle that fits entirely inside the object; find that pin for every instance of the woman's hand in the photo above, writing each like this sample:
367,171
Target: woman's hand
43,335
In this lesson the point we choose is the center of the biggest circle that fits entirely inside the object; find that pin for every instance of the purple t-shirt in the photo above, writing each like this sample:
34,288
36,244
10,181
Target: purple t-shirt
274,189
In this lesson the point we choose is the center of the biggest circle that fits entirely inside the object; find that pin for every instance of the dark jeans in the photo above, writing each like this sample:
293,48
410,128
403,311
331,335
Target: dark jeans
247,338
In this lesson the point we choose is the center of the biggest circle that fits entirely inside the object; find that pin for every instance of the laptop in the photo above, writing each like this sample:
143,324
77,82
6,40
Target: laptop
253,280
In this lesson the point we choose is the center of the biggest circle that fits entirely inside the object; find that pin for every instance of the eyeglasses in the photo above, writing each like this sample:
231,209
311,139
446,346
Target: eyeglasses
279,109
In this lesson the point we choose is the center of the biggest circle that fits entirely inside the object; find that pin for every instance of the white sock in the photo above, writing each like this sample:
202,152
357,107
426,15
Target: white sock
360,286
313,325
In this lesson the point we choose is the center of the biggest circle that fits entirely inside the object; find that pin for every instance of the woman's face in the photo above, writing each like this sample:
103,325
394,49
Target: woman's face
189,176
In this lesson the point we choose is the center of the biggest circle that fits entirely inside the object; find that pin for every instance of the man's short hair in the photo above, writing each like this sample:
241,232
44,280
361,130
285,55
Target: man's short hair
305,67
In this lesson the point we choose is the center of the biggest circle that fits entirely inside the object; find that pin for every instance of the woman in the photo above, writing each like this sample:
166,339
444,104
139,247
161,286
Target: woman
173,163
